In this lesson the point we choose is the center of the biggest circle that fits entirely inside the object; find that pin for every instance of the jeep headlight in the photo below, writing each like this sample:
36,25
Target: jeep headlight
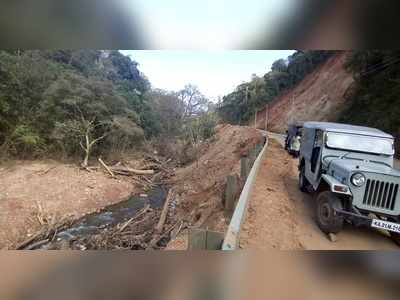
358,179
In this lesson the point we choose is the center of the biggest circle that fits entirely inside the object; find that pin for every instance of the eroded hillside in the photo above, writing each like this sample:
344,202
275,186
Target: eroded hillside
318,97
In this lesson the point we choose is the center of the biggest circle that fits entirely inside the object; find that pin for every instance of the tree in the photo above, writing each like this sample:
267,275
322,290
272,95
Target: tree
41,90
192,101
279,65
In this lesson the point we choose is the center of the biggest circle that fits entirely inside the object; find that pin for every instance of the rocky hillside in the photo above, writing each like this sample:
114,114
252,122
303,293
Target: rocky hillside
318,97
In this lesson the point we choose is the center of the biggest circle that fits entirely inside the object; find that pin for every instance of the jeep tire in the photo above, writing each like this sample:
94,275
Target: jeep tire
303,182
327,219
395,237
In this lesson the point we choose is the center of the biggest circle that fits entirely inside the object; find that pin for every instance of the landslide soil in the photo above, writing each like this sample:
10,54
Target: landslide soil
200,185
320,96
282,217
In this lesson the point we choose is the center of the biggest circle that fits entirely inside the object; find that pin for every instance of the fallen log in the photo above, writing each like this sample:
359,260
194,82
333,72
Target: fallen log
37,244
25,243
163,216
129,171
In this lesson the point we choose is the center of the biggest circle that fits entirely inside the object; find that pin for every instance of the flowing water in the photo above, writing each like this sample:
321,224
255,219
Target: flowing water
113,214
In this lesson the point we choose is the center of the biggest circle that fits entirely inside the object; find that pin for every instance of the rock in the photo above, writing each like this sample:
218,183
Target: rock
332,237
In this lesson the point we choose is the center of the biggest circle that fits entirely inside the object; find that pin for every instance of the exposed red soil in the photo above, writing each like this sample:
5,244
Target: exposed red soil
271,222
53,189
318,97
200,185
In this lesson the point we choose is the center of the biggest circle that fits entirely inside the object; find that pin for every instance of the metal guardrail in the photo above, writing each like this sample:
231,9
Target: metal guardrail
231,240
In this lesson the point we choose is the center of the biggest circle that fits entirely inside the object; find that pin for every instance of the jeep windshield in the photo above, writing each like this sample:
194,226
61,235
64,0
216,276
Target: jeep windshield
360,143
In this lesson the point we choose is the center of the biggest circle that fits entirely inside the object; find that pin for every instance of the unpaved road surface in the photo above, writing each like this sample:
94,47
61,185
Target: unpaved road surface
282,217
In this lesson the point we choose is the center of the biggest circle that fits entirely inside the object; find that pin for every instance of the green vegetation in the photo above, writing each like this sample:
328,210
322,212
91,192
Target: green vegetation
74,103
375,97
239,106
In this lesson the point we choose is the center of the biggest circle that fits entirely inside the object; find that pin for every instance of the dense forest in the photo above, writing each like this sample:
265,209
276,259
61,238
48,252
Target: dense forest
75,103
239,106
374,99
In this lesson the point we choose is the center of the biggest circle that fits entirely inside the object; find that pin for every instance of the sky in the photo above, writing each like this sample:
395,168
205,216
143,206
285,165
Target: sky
215,72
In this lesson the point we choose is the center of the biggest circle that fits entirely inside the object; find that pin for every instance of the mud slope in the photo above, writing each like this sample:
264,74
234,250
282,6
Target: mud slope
200,184
318,97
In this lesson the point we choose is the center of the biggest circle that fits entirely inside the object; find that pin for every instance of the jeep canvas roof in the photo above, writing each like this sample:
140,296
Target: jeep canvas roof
345,128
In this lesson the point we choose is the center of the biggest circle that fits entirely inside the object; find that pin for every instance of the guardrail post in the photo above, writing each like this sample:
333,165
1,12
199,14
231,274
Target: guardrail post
252,157
259,147
230,192
197,239
201,239
244,167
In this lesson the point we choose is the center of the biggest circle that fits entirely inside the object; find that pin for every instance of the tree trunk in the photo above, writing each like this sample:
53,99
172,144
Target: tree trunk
85,160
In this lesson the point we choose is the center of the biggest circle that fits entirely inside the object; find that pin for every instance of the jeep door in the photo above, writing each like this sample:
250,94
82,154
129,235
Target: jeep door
313,167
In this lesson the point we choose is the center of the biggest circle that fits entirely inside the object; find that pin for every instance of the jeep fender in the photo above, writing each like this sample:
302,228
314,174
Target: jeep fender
335,185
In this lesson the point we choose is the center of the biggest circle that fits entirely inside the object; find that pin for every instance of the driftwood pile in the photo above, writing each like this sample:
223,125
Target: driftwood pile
148,229
154,171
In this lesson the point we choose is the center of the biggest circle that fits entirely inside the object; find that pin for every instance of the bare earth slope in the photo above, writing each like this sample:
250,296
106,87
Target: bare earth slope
200,185
318,97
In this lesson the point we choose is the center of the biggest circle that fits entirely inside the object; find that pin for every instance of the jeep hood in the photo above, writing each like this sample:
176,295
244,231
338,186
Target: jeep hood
347,165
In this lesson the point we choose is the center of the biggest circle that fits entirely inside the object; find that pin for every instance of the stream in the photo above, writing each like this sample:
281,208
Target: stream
111,215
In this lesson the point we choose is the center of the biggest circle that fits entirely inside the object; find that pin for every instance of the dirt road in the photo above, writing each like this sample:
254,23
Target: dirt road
282,217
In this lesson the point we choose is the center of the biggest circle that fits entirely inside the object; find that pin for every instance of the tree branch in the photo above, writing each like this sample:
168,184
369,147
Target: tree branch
98,139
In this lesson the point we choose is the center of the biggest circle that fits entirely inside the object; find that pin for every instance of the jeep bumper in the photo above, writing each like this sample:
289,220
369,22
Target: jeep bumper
360,220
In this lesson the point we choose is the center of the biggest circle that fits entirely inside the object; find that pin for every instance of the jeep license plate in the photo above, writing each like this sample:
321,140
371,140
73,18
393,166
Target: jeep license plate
386,225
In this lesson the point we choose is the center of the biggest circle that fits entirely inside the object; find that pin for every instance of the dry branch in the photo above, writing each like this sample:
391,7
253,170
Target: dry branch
143,211
158,237
106,167
44,172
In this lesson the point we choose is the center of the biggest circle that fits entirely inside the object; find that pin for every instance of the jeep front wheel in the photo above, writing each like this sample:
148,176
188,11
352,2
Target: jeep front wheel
303,182
395,237
327,218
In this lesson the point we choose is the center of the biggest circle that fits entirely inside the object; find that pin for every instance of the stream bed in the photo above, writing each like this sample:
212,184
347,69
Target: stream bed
111,215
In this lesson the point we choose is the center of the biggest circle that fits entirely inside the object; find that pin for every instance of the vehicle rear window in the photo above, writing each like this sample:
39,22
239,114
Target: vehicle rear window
360,143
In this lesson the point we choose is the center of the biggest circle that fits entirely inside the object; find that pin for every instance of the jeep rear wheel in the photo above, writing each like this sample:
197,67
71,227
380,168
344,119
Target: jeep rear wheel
327,218
303,182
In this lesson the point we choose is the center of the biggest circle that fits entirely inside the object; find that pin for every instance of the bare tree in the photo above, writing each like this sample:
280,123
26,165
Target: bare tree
82,129
193,101
89,127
